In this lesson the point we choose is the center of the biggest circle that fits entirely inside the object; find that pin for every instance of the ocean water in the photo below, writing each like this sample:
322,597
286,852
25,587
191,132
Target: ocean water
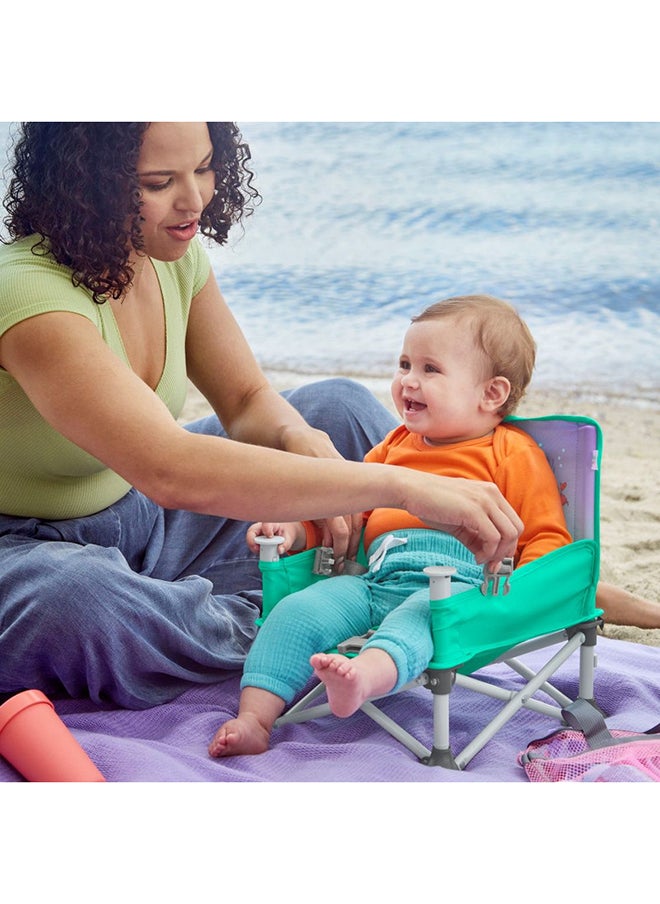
363,224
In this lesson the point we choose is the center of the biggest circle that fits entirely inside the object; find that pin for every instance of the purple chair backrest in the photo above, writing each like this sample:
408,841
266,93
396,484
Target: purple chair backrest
573,446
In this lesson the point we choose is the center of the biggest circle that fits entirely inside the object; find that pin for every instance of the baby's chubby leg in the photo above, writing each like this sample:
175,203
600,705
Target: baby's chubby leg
349,682
249,732
278,664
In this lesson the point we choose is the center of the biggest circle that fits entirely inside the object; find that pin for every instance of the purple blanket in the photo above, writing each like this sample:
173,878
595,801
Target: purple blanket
168,743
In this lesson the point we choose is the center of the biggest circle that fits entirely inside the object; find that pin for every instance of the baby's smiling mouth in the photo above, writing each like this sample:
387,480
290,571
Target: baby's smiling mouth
412,405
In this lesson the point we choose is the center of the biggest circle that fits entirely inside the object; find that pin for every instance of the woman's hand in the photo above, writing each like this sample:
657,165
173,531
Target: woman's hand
473,511
342,534
298,437
292,532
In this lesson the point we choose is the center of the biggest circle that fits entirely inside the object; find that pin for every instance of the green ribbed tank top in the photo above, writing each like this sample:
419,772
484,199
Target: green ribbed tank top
43,474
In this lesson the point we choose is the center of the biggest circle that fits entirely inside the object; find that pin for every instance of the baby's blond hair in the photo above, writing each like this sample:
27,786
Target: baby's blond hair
499,333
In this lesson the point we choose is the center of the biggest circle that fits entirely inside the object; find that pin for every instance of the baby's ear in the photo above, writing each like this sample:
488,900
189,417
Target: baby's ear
496,392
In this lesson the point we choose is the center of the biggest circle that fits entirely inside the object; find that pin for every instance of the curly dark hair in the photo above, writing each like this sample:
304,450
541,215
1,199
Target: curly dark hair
75,186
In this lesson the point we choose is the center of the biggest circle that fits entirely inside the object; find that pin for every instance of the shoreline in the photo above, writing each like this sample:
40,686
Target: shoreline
630,494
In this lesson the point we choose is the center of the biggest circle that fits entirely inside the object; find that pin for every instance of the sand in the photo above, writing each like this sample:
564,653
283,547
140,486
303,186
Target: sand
630,496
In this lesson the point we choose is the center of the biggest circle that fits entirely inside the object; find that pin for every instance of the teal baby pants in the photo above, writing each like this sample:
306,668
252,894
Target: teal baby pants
393,595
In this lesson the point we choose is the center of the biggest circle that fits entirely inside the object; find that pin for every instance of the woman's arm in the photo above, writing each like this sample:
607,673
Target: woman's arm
90,396
222,366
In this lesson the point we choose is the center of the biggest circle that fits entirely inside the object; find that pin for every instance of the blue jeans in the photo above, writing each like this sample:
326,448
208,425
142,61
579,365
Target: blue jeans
136,603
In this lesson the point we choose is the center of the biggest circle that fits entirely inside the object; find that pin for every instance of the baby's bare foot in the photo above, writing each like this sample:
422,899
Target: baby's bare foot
244,735
346,691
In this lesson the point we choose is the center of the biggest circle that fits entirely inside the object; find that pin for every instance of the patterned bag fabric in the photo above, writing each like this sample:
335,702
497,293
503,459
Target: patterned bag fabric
587,751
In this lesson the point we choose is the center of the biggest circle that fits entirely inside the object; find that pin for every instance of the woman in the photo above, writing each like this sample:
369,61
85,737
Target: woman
123,570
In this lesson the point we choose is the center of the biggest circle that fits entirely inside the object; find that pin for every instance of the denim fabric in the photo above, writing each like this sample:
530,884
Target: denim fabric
134,604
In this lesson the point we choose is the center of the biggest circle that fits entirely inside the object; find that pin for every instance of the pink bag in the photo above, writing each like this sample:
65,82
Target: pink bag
588,751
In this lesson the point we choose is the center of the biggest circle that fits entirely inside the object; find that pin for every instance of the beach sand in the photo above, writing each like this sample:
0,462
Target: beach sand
630,495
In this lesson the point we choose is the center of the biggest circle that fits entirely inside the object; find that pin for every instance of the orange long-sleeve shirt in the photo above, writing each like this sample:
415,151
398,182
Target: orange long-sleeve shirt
508,457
